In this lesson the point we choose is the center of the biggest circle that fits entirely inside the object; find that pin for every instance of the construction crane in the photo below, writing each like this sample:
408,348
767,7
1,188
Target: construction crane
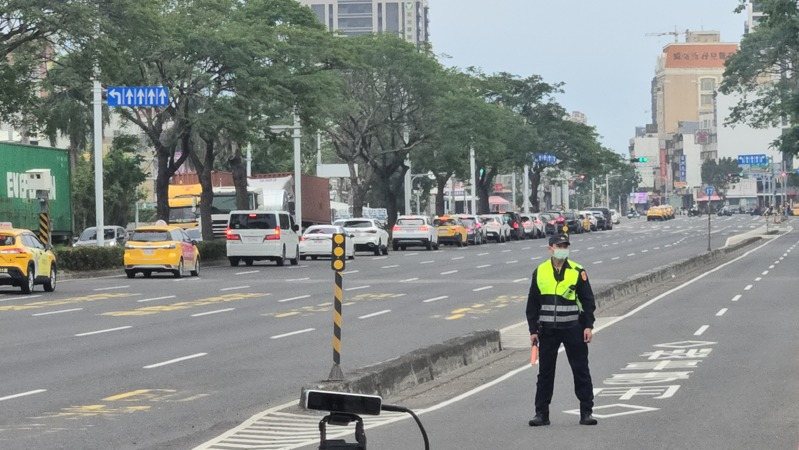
674,33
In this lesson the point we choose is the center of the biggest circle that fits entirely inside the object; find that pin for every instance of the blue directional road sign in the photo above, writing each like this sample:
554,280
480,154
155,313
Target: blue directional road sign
546,158
753,160
133,96
709,190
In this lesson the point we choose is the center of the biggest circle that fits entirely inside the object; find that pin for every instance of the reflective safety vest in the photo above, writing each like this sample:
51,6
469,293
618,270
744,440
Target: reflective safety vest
560,307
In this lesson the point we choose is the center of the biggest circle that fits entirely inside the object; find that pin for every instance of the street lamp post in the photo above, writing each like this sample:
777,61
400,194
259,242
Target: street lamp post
410,177
296,135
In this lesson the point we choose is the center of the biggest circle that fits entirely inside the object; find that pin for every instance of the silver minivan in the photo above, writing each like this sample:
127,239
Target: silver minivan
262,235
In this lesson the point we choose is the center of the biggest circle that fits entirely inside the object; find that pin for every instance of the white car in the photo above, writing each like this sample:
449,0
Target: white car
368,234
114,235
497,228
414,230
591,218
615,216
533,226
262,235
317,240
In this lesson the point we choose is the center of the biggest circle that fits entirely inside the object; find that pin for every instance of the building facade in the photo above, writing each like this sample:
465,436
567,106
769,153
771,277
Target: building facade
406,18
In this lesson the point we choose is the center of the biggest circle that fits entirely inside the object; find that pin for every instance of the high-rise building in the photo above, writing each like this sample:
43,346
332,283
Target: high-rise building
406,18
754,14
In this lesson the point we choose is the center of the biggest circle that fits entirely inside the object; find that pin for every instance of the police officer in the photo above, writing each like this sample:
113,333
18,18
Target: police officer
560,309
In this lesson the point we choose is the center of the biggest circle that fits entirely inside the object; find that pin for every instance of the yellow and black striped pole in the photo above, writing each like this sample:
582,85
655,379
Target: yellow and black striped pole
44,227
338,256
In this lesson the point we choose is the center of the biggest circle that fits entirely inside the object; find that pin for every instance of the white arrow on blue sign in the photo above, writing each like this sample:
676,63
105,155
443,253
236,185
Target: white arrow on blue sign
133,96
709,190
753,160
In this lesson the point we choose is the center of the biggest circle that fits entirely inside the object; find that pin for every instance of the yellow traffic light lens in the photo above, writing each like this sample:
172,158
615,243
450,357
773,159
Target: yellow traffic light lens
338,251
338,239
338,265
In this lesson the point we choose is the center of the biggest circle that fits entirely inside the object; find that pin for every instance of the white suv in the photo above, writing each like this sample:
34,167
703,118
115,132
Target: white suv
497,228
262,235
414,230
368,234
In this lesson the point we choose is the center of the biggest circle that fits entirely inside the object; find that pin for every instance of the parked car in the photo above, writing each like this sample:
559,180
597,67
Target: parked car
615,216
475,232
601,222
497,229
515,222
112,235
414,230
573,222
368,234
451,231
555,224
254,235
317,240
606,213
538,222
590,218
529,226
161,248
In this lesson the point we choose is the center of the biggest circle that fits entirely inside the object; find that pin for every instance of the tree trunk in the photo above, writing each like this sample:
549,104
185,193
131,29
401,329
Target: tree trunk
441,184
239,172
204,169
358,192
535,182
484,185
162,187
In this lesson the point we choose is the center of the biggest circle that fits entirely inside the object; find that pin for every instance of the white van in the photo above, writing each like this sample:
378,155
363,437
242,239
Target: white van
262,235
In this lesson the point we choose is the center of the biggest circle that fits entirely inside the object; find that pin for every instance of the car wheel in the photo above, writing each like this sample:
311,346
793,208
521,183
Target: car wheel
29,282
303,257
179,273
147,273
403,247
130,273
395,247
377,249
313,258
295,260
49,285
385,250
428,245
282,260
234,261
196,271
436,246
351,257
248,261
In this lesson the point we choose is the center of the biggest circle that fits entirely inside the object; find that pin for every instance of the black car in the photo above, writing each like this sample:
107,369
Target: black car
573,222
601,222
515,222
606,213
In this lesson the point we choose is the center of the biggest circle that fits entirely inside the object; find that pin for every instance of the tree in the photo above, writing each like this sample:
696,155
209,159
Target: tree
764,73
720,174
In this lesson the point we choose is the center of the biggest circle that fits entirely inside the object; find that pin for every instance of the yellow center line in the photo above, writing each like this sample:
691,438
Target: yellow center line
148,310
63,301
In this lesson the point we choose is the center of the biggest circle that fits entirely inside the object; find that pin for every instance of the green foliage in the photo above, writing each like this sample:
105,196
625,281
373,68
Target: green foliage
89,258
720,174
212,250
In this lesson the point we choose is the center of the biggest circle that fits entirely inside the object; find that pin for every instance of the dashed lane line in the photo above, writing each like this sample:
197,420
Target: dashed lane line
292,333
299,297
144,300
375,314
357,287
630,254
758,279
721,312
57,312
22,394
289,280
208,313
483,254
233,288
26,297
449,272
408,280
349,272
392,266
112,288
614,258
247,272
435,299
108,330
483,266
701,330
519,280
176,360
513,261
427,262
457,258
482,288
736,298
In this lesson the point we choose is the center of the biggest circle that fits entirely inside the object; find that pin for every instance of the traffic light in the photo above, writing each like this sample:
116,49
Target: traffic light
639,159
339,254
481,172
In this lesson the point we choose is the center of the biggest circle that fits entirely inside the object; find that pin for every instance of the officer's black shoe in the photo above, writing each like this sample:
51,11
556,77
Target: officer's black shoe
587,419
539,420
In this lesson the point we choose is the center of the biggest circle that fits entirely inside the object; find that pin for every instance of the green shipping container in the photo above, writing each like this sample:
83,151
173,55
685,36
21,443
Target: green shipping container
26,169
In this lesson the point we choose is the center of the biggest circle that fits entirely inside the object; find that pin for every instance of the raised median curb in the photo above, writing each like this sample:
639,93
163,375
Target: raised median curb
390,377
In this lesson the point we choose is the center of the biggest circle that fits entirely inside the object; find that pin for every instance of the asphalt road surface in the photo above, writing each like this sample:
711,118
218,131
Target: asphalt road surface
155,363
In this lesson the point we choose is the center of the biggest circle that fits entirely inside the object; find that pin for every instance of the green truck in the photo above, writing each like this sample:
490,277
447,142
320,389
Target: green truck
31,174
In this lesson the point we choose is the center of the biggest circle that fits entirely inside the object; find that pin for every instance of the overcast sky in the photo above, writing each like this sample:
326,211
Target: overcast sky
598,48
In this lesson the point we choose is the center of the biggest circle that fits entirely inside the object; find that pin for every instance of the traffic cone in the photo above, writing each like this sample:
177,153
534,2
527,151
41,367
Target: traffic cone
534,355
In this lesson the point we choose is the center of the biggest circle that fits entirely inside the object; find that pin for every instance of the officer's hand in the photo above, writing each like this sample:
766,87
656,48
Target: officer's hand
533,339
587,335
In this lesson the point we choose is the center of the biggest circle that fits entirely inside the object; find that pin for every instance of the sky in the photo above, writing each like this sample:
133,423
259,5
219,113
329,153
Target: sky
597,48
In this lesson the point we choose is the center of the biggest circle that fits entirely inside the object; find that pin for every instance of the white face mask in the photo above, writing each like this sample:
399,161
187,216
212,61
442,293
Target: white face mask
560,253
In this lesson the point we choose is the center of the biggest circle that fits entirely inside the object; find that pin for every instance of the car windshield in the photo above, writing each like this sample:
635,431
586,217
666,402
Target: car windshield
322,230
446,222
150,236
357,224
468,222
487,220
90,234
6,240
410,221
183,214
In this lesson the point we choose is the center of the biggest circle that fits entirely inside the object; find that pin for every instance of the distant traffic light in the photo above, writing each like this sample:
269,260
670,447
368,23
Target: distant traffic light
482,172
639,159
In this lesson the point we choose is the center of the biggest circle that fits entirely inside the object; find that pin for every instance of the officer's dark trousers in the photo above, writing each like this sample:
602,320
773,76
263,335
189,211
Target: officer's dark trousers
577,353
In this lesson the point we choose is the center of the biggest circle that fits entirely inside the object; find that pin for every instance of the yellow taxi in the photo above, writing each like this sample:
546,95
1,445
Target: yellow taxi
668,212
161,248
655,213
451,231
24,260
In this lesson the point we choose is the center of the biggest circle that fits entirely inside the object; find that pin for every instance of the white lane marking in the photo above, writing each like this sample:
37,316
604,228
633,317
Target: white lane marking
519,280
482,254
112,287
758,279
412,254
390,267
289,280
482,288
208,313
379,257
449,272
234,288
357,287
668,245
765,272
172,361
103,331
506,251
408,280
426,262
771,266
630,254
279,336
349,272
535,257
721,312
656,248
597,262
20,298
366,316
293,298
22,394
525,248
513,261
590,248
614,258
701,330
575,251
615,243
58,312
644,251
155,298
435,299
247,272
457,258
483,266
736,298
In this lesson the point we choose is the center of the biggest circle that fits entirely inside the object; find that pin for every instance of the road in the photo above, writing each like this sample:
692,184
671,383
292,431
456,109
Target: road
711,365
112,362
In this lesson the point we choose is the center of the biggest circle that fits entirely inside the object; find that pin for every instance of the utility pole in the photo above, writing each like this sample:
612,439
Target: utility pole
297,172
98,157
474,180
513,191
526,194
593,193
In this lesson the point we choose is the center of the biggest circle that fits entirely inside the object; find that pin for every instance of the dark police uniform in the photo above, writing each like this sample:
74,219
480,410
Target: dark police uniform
560,306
